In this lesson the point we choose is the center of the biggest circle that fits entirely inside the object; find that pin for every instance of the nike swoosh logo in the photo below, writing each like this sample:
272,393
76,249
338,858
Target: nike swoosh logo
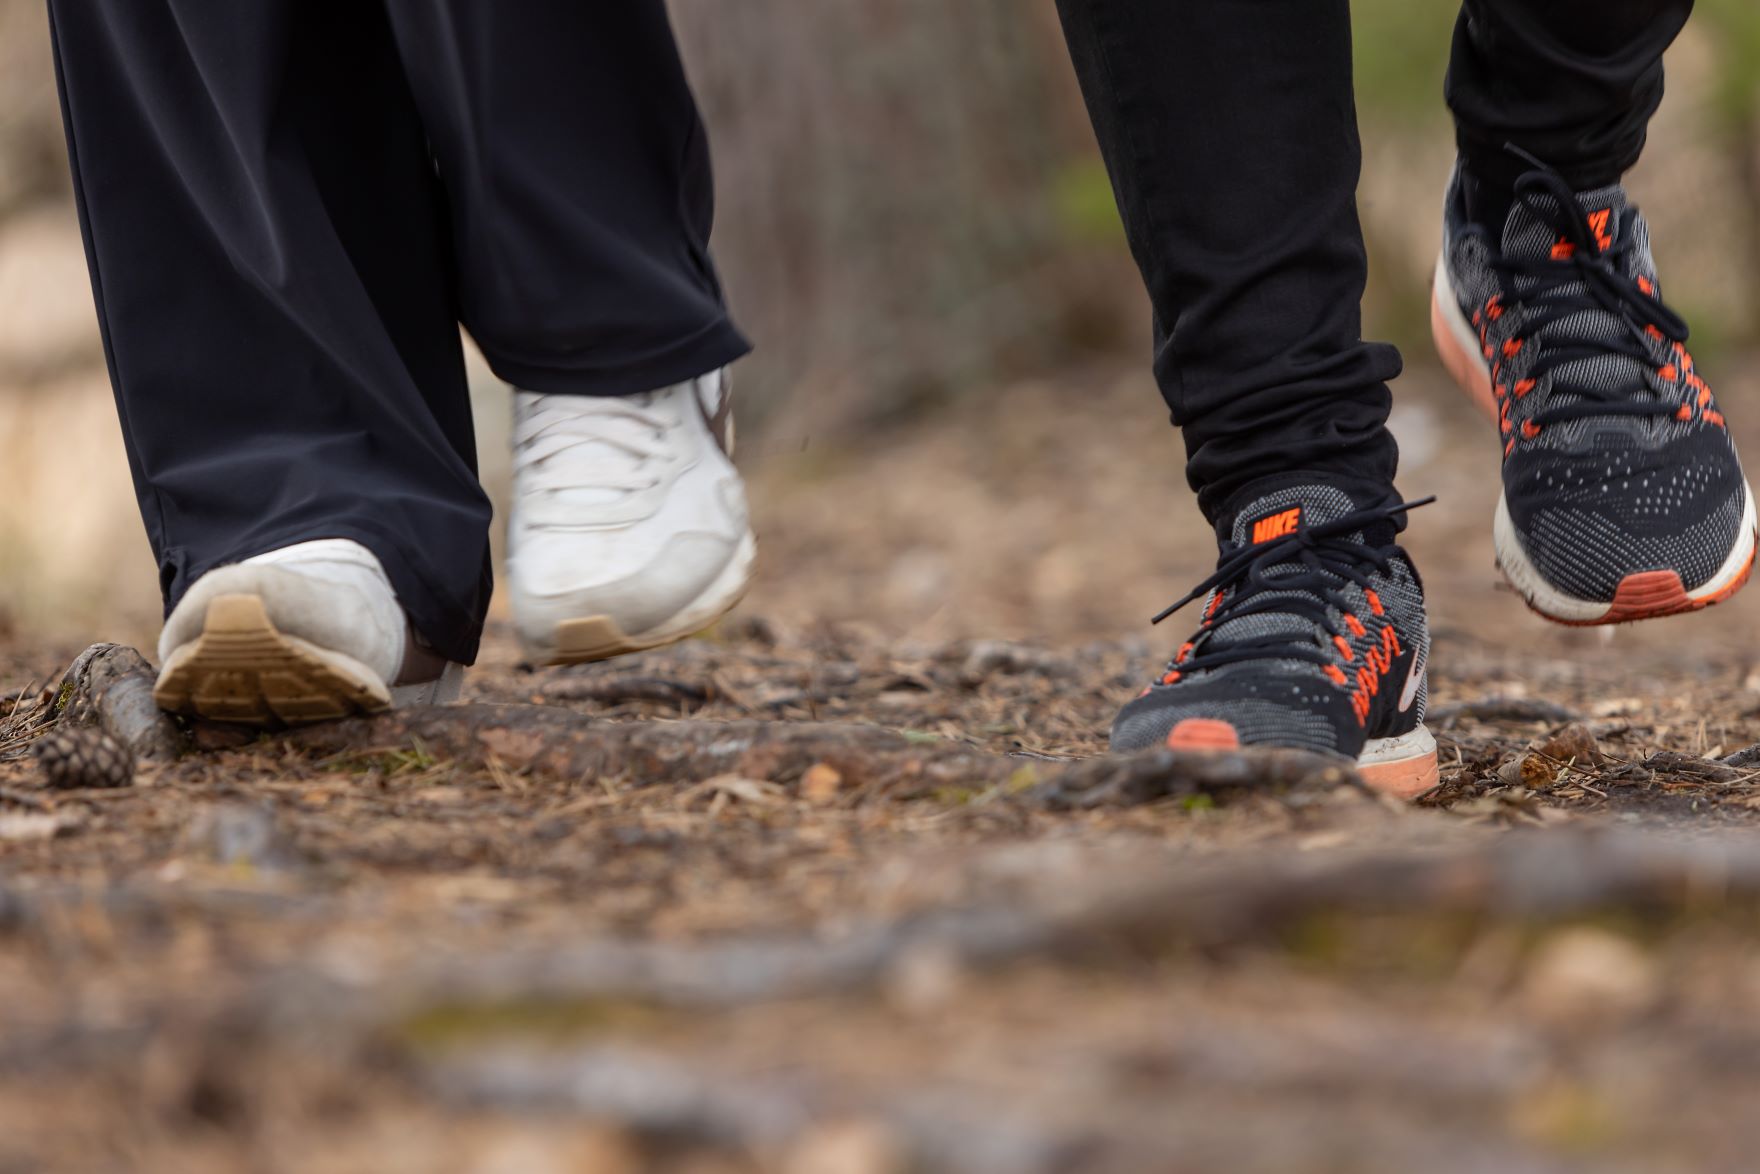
1413,679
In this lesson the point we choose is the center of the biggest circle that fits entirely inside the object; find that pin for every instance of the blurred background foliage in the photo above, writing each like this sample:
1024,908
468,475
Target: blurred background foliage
911,203
911,209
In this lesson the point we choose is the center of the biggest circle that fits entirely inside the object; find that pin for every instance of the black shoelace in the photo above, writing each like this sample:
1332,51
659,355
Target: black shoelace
1591,278
1304,573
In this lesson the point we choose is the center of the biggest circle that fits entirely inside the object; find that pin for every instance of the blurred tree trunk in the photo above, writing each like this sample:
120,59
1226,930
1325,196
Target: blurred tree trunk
888,172
33,161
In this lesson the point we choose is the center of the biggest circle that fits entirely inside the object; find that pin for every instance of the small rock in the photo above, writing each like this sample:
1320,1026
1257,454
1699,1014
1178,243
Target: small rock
925,979
34,825
1582,975
848,1147
242,835
996,658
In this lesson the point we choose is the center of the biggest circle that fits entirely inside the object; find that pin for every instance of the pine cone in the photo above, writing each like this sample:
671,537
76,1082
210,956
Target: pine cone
73,759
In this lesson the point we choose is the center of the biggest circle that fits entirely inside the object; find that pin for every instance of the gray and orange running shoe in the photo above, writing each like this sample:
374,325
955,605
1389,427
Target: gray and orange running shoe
1623,497
1313,638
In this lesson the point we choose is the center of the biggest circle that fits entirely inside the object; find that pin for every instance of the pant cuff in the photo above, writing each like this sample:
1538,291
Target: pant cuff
708,350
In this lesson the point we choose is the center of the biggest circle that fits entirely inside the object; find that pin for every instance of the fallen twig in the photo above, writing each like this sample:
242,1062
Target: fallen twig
622,690
109,686
1503,709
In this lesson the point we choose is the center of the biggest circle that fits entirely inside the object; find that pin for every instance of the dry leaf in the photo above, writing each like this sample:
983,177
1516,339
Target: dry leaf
1573,744
821,783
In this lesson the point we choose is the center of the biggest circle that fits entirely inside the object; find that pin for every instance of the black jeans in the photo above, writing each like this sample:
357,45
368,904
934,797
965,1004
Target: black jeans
290,205
1229,128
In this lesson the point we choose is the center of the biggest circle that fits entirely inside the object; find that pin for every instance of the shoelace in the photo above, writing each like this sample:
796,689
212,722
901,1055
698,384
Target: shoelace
629,425
1304,573
1585,277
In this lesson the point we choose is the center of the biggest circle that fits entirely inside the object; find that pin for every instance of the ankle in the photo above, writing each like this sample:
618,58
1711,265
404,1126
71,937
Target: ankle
1487,201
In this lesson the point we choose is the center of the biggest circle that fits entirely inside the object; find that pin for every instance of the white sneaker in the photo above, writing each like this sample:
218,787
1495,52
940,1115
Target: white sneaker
301,634
629,527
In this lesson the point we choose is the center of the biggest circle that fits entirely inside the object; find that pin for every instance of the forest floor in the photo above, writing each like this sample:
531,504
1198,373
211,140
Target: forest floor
848,887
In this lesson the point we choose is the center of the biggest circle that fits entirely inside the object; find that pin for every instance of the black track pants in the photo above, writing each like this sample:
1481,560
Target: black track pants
289,206
1229,129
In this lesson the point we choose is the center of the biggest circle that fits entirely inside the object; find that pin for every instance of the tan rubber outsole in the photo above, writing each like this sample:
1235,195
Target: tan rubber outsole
596,638
599,638
241,669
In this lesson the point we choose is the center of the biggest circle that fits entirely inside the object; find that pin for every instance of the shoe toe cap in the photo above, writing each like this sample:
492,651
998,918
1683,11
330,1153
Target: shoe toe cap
1590,553
1590,537
1290,711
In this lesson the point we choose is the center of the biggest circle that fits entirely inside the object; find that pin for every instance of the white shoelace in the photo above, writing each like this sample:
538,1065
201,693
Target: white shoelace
609,443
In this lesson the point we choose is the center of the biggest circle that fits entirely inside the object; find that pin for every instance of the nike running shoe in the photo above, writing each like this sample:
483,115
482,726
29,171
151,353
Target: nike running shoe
1313,638
1623,498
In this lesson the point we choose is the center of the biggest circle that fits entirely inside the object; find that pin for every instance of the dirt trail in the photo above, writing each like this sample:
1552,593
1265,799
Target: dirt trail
856,893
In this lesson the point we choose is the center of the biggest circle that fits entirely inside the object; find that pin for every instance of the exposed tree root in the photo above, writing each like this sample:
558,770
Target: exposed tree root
1224,902
562,744
670,1103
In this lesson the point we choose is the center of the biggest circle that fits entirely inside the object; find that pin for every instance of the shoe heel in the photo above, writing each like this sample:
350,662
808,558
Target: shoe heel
1403,767
242,669
229,616
1457,347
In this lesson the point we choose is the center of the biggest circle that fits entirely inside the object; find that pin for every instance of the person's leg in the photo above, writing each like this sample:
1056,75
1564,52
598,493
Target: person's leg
267,247
1623,496
1571,82
1230,133
577,173
1229,130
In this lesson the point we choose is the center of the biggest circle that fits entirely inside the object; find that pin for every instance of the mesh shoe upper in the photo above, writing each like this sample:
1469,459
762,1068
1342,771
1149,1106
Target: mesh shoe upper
1313,634
1617,460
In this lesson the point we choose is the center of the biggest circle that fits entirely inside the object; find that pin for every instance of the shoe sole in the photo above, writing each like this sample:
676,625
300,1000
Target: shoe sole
242,669
595,638
1644,595
1403,767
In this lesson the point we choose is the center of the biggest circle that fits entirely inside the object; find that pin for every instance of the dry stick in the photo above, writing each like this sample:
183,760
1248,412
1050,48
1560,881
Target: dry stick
622,690
1504,709
109,686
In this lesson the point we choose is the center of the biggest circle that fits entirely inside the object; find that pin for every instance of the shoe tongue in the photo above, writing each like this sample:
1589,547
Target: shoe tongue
1272,516
1529,235
1281,512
